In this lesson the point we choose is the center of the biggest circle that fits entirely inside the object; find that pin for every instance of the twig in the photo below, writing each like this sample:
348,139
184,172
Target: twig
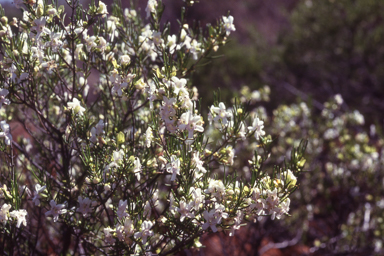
284,244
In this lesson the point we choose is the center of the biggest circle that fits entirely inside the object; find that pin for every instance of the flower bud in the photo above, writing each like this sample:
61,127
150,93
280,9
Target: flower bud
125,60
120,138
131,159
40,10
76,110
140,85
13,22
4,20
52,11
290,179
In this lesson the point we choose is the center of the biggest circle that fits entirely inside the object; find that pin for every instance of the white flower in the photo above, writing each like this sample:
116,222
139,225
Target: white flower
117,159
121,213
124,232
148,137
258,202
4,213
190,123
118,156
186,102
129,14
76,107
221,113
228,24
231,155
145,231
111,27
238,219
125,60
195,48
117,88
257,127
151,7
179,85
185,210
157,40
174,167
102,8
90,42
198,163
102,44
172,43
167,111
197,197
187,41
20,216
6,132
339,99
3,100
284,208
108,236
36,198
85,205
56,210
219,212
242,133
211,220
152,92
52,11
39,27
271,203
216,188
137,168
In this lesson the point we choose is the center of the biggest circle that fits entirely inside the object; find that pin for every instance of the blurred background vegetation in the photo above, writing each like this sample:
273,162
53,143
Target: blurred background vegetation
306,51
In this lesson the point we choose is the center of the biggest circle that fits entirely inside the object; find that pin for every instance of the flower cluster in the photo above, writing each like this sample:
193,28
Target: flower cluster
121,158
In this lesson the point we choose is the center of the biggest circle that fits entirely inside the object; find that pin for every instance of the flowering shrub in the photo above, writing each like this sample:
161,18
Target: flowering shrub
117,157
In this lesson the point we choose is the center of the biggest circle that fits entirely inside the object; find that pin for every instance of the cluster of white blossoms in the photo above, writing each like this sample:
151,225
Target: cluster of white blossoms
126,163
18,215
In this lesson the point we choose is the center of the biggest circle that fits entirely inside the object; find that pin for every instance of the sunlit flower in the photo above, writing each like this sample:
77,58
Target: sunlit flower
20,216
6,133
257,127
76,107
191,123
228,24
4,211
